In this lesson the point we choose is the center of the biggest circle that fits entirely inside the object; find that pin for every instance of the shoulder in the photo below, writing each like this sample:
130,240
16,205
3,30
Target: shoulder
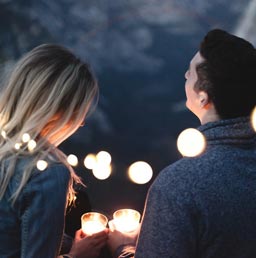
48,187
182,178
53,170
55,178
183,170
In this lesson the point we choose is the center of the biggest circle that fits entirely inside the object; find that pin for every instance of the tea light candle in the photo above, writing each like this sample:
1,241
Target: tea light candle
126,220
93,222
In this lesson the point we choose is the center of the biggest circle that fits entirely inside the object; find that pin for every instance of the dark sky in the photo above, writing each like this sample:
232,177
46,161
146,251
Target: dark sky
139,50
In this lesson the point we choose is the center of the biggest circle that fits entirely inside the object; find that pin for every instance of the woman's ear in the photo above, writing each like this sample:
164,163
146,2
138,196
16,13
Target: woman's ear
203,99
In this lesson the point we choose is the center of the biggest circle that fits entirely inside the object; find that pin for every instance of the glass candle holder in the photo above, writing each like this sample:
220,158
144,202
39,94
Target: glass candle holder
126,220
93,222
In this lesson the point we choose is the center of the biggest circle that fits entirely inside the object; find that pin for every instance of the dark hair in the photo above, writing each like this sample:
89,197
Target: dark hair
228,74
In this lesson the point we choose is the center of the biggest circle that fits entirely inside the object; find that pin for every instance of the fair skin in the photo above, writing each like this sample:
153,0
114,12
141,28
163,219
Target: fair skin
117,238
88,246
198,101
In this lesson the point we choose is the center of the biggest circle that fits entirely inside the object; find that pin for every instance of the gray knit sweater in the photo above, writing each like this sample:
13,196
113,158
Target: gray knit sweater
205,207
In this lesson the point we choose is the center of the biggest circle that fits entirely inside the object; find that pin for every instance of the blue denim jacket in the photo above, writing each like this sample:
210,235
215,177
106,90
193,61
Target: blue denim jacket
33,227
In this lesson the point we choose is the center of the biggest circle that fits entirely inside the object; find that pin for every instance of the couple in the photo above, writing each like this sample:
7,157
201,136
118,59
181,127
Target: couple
197,207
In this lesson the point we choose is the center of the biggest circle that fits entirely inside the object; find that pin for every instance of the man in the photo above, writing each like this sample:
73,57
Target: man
205,206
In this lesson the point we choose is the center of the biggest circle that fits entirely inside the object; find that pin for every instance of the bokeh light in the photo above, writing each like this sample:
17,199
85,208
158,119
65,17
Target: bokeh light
191,142
31,145
253,119
72,160
41,165
3,133
25,137
17,146
140,172
102,171
103,157
90,161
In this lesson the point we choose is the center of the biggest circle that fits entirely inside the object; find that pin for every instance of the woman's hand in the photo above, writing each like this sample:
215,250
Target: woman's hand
88,246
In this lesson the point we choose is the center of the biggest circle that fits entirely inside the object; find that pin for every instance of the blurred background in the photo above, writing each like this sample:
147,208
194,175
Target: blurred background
139,51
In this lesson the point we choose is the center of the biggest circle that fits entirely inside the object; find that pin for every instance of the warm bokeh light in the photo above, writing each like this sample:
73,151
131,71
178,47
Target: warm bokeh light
41,165
140,172
253,119
90,161
31,145
17,146
103,157
101,171
3,133
72,160
25,137
191,142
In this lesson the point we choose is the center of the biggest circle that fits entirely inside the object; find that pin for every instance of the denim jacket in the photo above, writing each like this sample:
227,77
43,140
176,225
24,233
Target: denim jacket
33,227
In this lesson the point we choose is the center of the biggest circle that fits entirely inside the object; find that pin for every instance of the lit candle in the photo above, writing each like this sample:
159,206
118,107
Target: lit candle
126,220
93,222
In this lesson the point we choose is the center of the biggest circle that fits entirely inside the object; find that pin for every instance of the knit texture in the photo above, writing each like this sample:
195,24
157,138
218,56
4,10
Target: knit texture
205,206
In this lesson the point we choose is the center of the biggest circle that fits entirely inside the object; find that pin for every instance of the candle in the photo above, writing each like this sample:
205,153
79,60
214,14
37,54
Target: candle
126,220
93,222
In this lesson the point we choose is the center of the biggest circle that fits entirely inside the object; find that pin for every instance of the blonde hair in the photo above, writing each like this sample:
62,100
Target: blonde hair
47,96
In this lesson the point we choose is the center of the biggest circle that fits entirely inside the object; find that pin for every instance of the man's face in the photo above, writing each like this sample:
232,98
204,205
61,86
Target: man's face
193,101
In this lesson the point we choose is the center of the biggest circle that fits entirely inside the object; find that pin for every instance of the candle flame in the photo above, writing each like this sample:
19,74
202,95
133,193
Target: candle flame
126,220
92,227
93,222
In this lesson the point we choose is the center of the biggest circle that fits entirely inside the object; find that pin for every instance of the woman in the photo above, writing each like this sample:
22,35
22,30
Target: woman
45,100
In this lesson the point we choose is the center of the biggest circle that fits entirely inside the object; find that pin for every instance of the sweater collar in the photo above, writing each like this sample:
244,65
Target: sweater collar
237,131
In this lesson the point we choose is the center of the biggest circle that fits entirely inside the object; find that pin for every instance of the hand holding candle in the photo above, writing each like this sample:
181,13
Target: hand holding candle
124,229
93,222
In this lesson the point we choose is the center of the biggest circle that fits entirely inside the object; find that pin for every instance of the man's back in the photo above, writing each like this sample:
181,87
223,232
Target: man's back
207,202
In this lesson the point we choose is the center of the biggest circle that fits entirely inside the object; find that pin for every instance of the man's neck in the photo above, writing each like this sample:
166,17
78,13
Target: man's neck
209,116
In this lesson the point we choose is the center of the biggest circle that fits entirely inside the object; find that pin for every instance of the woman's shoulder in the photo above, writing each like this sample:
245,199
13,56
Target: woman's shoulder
42,172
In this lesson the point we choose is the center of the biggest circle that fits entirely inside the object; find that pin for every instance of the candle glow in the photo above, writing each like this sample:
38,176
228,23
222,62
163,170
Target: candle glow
93,222
91,227
126,220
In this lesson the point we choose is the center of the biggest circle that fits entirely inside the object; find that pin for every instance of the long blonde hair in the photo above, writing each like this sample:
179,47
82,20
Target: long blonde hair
47,96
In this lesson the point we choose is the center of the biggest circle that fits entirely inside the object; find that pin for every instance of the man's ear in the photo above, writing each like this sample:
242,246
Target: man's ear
203,99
